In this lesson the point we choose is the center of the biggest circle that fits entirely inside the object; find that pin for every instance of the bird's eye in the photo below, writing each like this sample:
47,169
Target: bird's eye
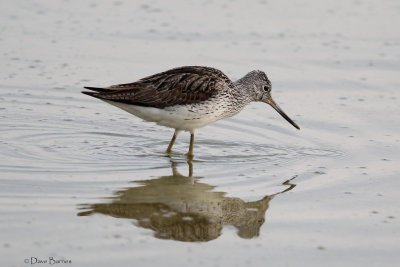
265,88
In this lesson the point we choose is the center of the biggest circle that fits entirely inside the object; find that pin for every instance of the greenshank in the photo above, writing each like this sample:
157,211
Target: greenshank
188,98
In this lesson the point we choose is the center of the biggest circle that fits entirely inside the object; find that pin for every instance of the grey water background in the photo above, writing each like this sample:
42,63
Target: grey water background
81,180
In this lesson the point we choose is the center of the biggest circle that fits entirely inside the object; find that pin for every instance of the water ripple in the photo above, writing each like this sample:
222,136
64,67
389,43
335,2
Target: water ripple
48,139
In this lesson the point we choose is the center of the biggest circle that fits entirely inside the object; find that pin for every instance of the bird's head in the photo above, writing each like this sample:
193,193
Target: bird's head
262,90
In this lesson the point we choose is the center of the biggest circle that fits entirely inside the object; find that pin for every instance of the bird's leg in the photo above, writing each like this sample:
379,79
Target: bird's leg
190,168
172,141
190,153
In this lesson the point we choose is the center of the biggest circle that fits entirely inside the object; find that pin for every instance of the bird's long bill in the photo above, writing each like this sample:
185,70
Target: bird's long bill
283,114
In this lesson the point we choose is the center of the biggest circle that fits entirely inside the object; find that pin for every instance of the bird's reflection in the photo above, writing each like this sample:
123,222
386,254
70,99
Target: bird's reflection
182,208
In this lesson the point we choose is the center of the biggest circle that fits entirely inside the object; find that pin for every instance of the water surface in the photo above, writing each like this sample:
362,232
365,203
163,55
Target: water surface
86,182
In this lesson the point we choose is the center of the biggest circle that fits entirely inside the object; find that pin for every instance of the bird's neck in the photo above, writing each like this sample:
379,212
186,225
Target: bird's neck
244,91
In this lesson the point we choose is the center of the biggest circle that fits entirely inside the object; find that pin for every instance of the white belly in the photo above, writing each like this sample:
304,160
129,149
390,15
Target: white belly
182,117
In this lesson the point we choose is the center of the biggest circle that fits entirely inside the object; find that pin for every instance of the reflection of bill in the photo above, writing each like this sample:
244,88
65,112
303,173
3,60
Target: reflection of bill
180,208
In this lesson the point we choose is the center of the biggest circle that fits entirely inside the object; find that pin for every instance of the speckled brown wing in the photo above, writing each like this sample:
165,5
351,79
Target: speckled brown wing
184,85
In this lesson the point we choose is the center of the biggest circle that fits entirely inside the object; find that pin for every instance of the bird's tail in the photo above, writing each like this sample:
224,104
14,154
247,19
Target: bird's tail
97,91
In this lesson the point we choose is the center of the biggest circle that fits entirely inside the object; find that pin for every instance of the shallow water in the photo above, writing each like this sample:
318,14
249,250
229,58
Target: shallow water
86,182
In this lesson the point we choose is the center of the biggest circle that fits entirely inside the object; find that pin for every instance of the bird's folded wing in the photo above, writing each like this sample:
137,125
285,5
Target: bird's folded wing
179,86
